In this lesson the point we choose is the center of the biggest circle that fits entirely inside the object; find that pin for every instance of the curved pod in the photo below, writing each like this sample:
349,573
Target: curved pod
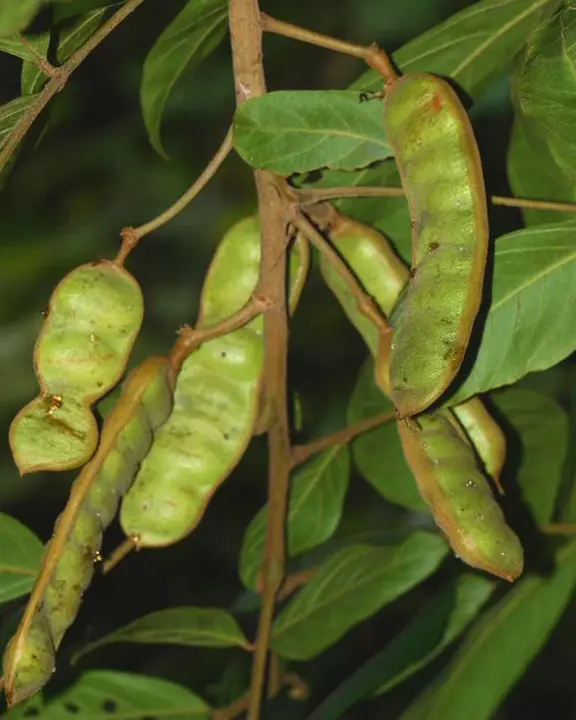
441,172
216,400
92,322
68,563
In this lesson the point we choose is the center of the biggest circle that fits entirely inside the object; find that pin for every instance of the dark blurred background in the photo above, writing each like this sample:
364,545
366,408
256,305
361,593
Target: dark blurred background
95,172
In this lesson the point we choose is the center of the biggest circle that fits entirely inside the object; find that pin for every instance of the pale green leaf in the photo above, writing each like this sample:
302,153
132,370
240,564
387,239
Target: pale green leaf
193,34
500,647
190,626
531,324
15,15
318,490
20,557
296,131
351,586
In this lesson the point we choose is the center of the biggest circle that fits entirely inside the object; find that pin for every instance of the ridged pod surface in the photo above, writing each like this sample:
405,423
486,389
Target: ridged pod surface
92,322
458,494
216,399
68,564
441,173
475,525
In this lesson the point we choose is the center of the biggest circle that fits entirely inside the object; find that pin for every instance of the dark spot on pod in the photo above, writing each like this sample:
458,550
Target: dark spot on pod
223,354
412,273
226,436
433,246
45,313
109,706
31,712
71,708
437,102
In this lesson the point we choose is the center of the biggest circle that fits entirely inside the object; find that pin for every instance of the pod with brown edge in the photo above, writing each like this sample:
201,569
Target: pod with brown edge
441,172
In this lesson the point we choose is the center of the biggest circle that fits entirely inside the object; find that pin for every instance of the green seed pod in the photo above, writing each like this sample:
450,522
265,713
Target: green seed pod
68,563
441,172
485,435
93,320
461,500
452,484
216,401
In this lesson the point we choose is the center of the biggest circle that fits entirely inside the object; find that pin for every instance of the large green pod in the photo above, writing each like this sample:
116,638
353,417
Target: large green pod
441,172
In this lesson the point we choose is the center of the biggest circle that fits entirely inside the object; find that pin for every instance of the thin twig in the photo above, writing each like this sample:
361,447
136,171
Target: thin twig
372,54
559,529
43,63
301,453
60,78
190,338
231,712
311,196
295,581
131,236
364,302
117,555
250,82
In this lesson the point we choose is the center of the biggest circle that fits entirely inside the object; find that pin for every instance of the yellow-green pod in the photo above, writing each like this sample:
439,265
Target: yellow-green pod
446,470
216,400
68,563
485,435
92,322
441,172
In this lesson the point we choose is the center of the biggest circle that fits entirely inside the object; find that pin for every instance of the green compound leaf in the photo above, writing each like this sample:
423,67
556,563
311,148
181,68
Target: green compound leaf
189,626
542,428
193,34
441,621
531,324
100,694
317,496
472,47
500,647
20,557
351,586
295,131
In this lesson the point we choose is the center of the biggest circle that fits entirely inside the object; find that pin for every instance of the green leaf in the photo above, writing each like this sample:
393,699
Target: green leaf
193,34
14,46
533,173
542,427
545,84
295,131
531,324
442,619
15,16
472,47
100,694
318,490
20,557
189,626
378,453
500,647
12,113
351,586
71,38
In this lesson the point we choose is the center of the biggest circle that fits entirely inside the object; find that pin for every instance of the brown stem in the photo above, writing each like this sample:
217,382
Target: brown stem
559,529
364,302
295,581
372,55
117,555
311,196
45,66
131,236
237,708
60,78
246,39
190,339
301,453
